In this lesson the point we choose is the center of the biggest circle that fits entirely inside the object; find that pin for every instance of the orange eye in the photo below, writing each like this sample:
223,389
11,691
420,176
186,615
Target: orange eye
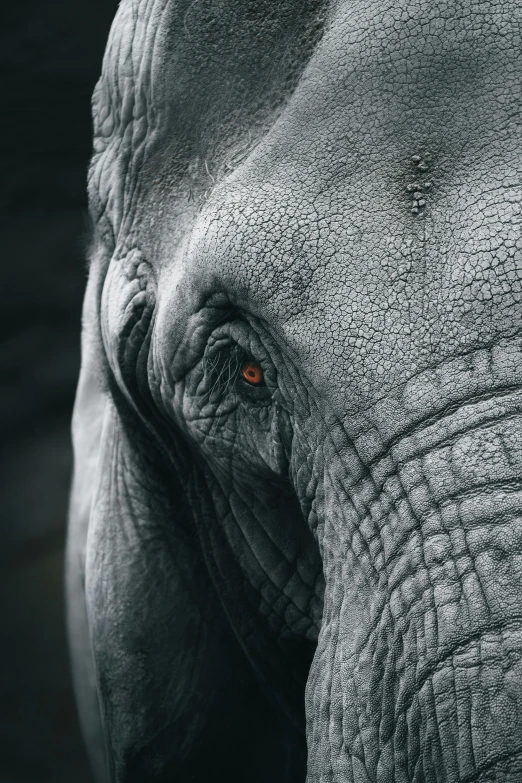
252,373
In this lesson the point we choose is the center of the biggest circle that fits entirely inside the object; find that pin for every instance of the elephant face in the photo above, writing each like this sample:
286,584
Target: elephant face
297,498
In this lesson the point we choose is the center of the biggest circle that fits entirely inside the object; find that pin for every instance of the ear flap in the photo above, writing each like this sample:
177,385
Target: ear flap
177,698
90,407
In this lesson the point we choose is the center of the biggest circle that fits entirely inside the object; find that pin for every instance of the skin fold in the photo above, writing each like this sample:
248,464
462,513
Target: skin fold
316,577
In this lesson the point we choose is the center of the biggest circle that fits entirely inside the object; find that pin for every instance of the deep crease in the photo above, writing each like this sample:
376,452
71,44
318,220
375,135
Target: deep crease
497,759
514,621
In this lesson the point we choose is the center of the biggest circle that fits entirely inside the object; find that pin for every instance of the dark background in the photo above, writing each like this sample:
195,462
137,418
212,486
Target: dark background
50,59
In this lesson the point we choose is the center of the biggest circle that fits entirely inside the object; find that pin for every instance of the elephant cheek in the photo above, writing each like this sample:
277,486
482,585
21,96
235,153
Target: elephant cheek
418,670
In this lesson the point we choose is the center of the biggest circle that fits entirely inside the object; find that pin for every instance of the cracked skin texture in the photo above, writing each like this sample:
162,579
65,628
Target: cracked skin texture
333,192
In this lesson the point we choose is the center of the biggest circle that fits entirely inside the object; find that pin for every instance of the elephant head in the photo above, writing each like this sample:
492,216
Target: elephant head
295,544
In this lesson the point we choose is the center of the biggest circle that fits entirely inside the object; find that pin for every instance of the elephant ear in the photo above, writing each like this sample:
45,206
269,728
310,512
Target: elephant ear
164,690
90,407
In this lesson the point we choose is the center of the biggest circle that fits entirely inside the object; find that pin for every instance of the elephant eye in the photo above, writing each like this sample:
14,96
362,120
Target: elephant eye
252,373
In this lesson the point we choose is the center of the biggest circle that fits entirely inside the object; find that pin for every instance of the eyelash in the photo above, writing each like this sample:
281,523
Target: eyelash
223,371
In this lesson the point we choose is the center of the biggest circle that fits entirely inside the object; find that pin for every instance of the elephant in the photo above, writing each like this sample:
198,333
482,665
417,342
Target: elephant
295,533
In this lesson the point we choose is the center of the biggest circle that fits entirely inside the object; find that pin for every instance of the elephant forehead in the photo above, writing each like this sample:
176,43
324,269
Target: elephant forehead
189,88
377,225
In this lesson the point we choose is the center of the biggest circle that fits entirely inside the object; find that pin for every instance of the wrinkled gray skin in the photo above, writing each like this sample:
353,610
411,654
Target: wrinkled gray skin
334,192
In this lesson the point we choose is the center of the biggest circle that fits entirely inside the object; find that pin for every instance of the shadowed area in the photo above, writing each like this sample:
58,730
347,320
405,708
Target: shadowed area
50,58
